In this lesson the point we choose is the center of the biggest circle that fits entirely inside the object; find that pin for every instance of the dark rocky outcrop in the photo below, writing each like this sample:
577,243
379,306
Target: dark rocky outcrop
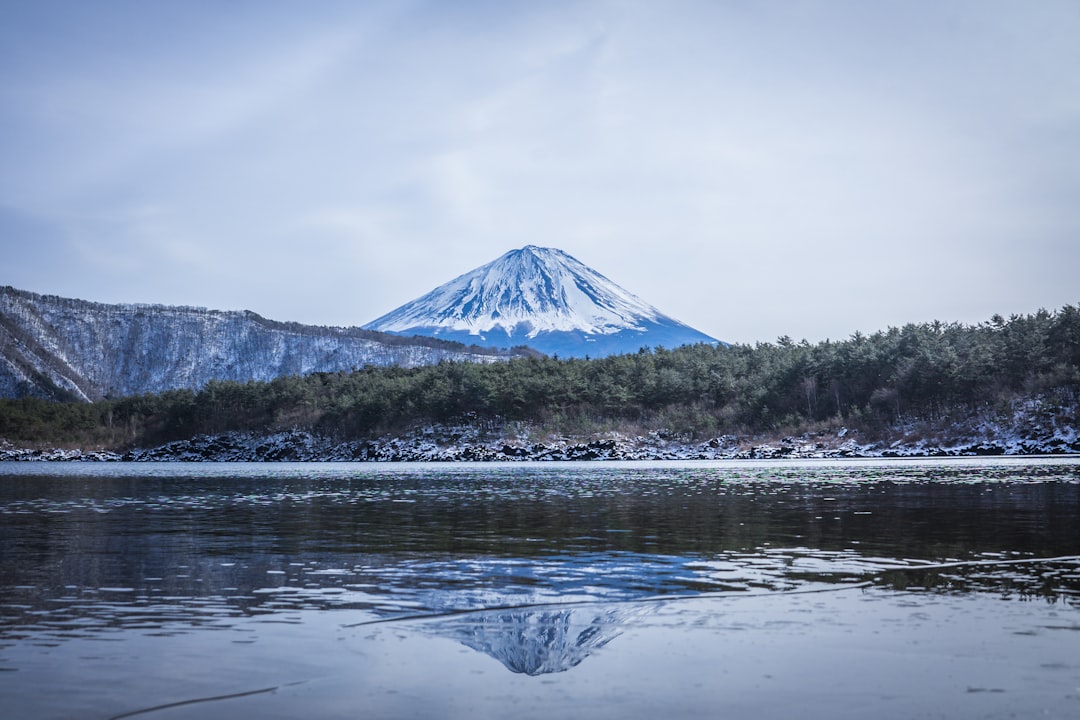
471,444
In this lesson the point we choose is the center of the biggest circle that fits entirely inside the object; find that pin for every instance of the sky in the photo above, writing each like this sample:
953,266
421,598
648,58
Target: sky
753,169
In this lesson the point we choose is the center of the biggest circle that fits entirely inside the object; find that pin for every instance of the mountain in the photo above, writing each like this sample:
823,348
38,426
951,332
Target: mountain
537,641
72,349
543,298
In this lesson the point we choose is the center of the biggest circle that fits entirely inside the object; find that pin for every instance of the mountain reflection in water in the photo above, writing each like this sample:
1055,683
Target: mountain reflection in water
538,641
341,589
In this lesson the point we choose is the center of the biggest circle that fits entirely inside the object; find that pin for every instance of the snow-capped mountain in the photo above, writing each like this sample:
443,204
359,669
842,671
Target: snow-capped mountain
543,298
537,641
63,348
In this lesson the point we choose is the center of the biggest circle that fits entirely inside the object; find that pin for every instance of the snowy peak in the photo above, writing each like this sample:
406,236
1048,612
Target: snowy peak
541,297
537,642
542,288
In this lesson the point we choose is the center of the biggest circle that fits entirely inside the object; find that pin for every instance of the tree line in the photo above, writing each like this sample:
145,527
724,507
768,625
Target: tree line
919,371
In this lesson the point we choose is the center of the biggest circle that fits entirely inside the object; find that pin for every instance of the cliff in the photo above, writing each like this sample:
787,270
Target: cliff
62,348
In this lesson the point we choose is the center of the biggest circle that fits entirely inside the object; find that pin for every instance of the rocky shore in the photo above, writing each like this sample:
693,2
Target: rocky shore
467,443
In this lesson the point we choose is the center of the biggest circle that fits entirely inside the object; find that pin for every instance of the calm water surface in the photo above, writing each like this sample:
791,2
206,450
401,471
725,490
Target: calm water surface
831,589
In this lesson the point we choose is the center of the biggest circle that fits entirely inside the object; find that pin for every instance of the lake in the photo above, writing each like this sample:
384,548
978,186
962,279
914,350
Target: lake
836,589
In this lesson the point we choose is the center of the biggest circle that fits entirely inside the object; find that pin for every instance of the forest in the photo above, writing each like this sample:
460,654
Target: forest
929,371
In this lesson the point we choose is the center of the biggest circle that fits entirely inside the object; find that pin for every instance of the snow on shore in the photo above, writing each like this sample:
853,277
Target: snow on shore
1031,427
468,444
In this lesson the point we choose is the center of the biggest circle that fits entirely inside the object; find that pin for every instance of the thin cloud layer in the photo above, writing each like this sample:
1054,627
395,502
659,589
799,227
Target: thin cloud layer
751,169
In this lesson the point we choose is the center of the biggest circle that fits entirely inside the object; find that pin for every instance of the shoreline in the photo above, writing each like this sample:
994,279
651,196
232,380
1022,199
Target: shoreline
469,444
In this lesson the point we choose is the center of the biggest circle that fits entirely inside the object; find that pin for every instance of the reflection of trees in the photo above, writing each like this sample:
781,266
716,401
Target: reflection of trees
1052,579
538,641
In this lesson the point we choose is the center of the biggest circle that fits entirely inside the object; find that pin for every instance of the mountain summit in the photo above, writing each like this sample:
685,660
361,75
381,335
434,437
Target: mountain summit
543,298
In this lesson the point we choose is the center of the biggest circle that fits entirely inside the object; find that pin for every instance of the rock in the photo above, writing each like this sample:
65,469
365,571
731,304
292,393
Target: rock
465,442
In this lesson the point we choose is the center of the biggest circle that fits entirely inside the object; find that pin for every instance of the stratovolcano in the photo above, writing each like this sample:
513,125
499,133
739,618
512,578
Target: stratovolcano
543,298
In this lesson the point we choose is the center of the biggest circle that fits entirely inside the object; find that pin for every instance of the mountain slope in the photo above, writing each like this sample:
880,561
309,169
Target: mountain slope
537,642
543,298
72,349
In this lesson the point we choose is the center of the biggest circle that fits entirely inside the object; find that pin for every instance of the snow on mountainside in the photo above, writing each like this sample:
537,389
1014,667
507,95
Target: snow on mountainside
63,348
536,641
544,298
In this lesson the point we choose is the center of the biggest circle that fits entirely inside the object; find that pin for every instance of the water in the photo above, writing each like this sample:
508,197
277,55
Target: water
834,589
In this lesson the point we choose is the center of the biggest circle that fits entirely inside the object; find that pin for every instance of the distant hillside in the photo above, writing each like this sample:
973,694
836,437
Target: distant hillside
1004,386
65,349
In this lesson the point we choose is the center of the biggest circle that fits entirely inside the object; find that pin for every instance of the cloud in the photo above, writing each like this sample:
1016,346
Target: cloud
753,170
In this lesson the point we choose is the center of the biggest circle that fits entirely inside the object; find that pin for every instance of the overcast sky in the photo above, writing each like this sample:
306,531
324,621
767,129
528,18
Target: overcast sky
753,169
